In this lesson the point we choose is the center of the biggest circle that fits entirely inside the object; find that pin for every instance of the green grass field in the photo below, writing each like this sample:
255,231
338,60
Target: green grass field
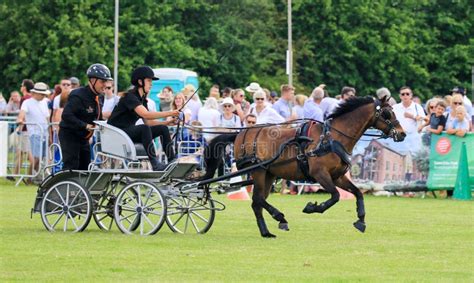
407,239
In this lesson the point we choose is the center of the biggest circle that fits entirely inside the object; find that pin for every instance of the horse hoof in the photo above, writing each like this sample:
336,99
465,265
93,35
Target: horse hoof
268,235
359,225
283,226
310,208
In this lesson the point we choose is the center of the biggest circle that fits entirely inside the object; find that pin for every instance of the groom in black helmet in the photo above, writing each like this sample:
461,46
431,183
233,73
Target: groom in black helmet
82,108
133,106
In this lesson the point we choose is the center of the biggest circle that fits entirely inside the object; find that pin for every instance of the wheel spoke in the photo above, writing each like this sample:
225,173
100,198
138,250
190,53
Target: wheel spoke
60,196
65,222
141,224
155,213
79,204
148,196
126,217
179,219
111,222
67,194
200,216
53,212
139,193
57,220
78,213
131,197
72,220
102,218
158,201
194,223
53,202
186,223
148,220
128,209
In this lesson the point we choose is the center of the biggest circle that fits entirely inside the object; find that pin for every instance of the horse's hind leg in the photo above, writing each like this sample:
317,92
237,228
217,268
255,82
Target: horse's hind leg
347,185
258,202
327,183
275,213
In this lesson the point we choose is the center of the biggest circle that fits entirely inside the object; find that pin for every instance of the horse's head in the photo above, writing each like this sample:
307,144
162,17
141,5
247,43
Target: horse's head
386,121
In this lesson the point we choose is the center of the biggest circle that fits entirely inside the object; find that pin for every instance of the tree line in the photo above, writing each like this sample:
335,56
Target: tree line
426,44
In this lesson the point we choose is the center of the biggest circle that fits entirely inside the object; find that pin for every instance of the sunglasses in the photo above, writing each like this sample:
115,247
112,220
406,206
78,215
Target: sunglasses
405,94
227,106
259,98
457,103
432,107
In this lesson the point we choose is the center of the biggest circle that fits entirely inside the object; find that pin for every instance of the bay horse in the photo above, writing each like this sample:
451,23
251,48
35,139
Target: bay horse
326,150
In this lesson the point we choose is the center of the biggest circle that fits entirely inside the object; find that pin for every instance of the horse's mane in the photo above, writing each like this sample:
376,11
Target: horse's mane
350,105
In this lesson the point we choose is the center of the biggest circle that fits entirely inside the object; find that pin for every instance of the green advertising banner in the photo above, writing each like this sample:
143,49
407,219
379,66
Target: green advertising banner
444,158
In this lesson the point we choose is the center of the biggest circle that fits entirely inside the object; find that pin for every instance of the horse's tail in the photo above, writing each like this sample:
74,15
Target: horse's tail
214,151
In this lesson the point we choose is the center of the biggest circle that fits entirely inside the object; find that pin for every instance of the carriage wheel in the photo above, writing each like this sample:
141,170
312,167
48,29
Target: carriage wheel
141,208
190,214
104,211
67,207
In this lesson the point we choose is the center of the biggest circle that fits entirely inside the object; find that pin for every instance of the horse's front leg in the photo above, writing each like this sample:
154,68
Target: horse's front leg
347,185
326,182
258,202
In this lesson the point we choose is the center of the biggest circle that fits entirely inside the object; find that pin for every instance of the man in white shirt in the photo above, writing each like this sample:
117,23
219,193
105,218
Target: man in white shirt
409,114
35,112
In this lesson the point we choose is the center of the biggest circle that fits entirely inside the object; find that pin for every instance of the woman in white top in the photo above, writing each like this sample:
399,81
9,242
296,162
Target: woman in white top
228,119
264,112
208,115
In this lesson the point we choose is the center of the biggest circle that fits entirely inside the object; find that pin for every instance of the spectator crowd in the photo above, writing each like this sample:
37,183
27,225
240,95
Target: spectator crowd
38,106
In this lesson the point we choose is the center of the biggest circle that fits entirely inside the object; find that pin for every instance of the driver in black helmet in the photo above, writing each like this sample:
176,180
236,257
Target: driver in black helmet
82,108
133,106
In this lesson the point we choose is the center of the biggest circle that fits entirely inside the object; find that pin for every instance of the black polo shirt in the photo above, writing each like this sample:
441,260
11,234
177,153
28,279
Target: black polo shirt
83,107
124,115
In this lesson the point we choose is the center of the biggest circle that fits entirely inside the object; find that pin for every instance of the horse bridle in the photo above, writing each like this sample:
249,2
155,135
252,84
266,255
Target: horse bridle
379,115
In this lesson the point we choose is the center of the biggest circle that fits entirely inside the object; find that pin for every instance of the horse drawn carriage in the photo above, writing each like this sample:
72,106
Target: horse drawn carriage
137,200
140,201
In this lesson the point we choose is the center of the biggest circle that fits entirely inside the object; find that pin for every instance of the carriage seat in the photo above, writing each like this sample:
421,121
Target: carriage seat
115,142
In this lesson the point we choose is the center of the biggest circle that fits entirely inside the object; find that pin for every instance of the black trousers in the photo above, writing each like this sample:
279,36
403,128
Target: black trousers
76,151
145,134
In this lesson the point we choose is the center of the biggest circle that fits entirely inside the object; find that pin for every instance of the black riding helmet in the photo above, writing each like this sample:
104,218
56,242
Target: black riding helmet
99,71
140,74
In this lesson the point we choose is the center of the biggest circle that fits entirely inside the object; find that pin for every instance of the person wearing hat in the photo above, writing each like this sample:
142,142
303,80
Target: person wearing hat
253,87
35,113
77,121
132,106
75,83
227,118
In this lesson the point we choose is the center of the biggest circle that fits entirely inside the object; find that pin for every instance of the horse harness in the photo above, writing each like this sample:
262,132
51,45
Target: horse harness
301,140
326,145
251,158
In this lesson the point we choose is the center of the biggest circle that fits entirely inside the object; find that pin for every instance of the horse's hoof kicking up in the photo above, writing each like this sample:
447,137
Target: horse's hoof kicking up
359,225
268,235
283,226
311,208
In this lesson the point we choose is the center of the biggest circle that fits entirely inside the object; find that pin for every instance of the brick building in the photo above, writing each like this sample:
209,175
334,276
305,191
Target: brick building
381,163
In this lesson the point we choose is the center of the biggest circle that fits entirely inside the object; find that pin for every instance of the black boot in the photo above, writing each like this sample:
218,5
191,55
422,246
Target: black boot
157,166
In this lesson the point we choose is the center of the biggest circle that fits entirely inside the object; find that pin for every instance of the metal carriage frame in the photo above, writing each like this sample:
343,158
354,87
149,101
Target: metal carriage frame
138,201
